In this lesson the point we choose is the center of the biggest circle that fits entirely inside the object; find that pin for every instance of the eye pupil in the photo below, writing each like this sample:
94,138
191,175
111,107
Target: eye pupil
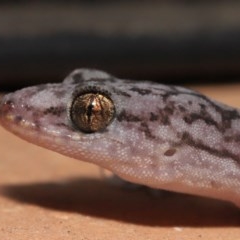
89,111
92,111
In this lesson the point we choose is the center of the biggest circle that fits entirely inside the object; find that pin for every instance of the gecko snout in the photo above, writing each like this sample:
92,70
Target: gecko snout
7,111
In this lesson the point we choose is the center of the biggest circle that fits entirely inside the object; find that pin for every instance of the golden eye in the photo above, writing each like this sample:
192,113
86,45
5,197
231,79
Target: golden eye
92,111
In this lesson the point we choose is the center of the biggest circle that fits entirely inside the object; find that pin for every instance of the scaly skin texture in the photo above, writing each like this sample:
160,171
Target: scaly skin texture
162,136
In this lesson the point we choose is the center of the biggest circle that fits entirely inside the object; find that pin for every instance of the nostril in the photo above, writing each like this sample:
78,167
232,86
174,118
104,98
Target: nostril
18,119
6,106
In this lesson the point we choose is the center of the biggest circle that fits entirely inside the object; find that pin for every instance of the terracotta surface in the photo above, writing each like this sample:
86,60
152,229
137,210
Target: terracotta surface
44,195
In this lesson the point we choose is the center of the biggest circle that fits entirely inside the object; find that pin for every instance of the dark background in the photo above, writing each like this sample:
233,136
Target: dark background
166,41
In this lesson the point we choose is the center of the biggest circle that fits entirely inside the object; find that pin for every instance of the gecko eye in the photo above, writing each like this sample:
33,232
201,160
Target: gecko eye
92,110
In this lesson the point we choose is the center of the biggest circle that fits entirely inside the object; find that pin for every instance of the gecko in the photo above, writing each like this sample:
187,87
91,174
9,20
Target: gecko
161,136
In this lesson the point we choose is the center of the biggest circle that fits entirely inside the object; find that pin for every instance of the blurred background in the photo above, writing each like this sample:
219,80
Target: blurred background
166,41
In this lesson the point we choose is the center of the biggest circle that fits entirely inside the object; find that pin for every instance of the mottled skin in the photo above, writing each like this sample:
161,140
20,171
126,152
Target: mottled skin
162,136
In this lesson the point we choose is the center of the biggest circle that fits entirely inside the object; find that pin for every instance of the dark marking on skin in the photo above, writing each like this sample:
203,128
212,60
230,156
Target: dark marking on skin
9,102
182,109
121,93
226,115
164,117
170,152
189,119
166,95
153,117
28,108
169,109
192,117
173,91
141,91
54,111
166,113
233,138
128,117
198,144
202,106
18,119
77,78
145,128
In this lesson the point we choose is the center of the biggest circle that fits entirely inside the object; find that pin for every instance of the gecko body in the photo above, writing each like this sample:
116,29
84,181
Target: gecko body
161,136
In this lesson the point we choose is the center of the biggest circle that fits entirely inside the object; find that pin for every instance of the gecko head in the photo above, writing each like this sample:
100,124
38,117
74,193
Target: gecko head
60,114
91,116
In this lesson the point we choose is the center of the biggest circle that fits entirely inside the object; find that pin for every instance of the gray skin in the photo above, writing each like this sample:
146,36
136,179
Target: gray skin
164,137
